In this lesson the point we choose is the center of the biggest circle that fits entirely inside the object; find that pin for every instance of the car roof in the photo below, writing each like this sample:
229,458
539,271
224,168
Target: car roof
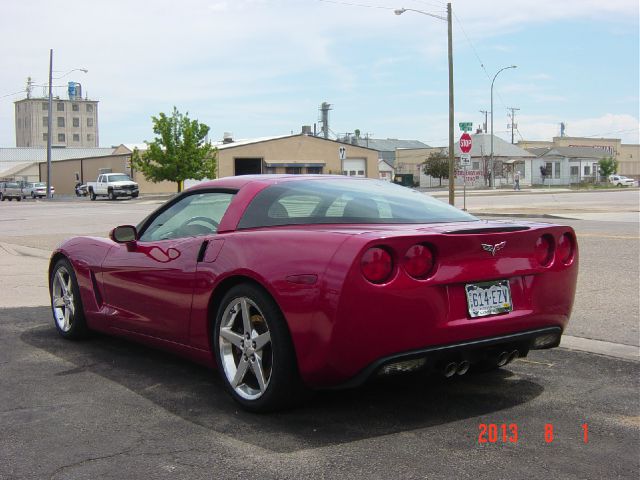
267,179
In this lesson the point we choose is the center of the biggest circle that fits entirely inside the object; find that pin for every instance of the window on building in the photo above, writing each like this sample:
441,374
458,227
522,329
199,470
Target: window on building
89,108
45,121
76,137
475,165
89,137
549,168
61,137
44,137
76,122
60,107
75,107
556,172
575,170
61,121
45,106
587,170
314,170
89,122
293,170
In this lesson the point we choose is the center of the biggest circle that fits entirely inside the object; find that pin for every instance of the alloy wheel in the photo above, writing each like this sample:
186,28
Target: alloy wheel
62,299
245,348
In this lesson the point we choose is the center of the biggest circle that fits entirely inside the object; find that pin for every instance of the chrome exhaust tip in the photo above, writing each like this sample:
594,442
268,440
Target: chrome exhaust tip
503,359
513,356
463,367
450,369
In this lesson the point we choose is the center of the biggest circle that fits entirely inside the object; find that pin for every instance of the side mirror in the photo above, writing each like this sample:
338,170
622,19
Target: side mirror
124,234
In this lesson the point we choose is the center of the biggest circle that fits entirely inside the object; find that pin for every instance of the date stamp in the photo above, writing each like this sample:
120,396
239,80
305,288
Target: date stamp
509,433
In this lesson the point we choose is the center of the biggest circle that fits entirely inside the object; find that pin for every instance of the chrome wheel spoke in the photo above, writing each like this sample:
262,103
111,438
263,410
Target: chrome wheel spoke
67,318
256,367
71,305
231,336
61,282
58,302
246,316
243,366
261,340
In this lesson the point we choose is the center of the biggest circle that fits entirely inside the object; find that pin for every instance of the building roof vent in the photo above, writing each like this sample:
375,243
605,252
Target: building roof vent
306,129
227,137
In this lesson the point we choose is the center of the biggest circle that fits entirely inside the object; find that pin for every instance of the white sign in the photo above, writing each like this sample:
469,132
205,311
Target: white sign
465,159
342,153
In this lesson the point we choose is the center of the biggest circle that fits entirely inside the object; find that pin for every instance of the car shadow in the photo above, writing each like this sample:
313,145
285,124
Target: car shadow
196,394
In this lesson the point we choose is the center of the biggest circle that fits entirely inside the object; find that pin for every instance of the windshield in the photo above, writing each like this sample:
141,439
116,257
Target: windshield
118,178
345,201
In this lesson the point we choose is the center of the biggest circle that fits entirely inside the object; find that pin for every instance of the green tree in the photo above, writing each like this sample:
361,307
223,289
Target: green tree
437,165
180,151
608,166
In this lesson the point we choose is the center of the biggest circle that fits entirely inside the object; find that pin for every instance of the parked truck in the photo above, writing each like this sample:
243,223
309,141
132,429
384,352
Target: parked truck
113,185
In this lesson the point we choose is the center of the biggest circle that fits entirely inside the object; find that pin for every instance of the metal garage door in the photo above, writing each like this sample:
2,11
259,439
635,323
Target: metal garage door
354,167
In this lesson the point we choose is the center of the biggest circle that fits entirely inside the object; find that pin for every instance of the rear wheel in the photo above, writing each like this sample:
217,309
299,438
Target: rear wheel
66,304
254,351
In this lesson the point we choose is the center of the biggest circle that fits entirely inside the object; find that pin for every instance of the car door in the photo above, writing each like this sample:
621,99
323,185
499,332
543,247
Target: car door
148,284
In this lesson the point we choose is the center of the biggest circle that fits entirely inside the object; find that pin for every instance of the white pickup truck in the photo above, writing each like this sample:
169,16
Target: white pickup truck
113,185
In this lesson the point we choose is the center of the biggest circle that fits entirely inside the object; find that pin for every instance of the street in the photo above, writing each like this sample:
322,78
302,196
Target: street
107,408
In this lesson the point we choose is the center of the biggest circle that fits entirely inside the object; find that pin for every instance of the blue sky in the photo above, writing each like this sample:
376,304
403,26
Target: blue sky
262,67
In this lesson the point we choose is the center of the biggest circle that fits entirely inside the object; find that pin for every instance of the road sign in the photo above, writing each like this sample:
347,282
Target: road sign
465,143
342,153
466,126
465,160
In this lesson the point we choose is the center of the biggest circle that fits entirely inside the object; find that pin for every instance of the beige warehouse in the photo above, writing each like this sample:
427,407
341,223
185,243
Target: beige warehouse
294,154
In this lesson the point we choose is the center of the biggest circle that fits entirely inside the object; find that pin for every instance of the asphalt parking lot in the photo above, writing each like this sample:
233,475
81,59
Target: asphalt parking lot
107,408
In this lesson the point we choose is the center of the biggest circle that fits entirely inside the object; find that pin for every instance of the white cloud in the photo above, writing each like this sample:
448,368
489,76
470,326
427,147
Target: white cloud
609,125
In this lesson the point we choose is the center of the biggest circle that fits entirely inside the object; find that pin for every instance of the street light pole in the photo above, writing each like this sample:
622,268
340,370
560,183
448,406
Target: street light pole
49,118
49,124
447,19
492,181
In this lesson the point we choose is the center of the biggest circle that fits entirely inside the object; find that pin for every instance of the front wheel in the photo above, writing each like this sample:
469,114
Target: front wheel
254,351
112,195
66,304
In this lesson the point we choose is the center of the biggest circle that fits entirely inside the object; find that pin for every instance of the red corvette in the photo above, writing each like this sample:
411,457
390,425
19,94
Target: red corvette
290,282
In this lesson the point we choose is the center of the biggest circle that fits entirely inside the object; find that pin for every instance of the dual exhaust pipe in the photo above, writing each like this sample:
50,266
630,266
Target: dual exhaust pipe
453,368
460,368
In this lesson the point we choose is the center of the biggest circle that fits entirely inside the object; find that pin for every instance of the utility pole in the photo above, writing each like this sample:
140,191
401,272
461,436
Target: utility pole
486,112
513,120
49,124
452,181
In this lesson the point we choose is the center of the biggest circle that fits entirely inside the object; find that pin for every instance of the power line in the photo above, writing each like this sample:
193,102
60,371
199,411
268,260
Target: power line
350,4
11,94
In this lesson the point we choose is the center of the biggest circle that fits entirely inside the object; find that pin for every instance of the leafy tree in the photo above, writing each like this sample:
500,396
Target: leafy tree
608,166
179,151
437,165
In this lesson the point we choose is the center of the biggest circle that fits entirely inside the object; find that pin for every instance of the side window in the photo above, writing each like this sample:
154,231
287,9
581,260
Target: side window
193,215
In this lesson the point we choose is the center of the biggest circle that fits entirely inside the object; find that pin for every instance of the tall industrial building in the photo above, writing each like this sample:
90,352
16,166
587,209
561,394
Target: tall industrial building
74,122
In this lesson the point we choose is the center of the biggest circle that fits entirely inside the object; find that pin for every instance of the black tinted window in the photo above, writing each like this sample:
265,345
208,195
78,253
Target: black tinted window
345,201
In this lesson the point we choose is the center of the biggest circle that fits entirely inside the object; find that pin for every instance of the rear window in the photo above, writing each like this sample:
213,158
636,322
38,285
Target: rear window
345,201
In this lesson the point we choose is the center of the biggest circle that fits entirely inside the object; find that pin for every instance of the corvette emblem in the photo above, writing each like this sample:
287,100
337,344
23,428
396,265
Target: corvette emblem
493,248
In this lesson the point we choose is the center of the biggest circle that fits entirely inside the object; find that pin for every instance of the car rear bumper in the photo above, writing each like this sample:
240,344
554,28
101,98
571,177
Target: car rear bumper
473,351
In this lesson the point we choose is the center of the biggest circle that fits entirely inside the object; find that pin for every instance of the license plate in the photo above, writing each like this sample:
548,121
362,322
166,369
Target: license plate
488,298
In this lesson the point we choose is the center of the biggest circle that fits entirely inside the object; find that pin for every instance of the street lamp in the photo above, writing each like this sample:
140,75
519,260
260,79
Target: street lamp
50,112
447,19
492,180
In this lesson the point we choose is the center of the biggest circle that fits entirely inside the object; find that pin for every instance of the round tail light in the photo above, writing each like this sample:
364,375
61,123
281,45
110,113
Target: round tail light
376,265
418,261
544,250
566,248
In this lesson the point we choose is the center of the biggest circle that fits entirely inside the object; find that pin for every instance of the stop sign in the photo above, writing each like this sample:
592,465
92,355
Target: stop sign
465,143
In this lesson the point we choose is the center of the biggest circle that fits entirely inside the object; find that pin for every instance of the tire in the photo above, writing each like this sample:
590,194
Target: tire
112,196
66,304
10,198
92,194
270,354
19,198
135,195
1,198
